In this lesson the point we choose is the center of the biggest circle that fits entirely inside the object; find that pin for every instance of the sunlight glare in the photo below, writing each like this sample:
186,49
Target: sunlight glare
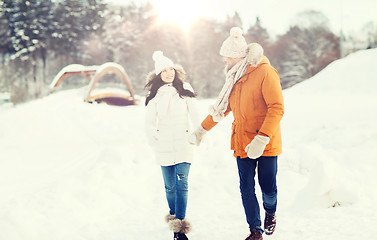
181,13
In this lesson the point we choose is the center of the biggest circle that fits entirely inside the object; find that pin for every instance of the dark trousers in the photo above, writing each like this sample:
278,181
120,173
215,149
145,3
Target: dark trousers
267,170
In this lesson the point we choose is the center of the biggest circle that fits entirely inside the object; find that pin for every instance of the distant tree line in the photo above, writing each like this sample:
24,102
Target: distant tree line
39,38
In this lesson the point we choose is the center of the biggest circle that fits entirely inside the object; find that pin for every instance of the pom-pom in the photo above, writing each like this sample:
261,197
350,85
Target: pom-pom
236,32
157,55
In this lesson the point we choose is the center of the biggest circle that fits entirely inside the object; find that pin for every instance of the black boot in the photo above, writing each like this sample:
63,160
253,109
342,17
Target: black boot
269,224
180,236
254,235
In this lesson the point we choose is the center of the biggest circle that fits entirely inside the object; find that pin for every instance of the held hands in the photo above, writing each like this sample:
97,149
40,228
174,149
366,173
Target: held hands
197,136
256,147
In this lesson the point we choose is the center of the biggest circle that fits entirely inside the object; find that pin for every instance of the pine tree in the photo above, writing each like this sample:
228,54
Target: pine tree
93,21
305,53
257,33
7,26
305,50
67,29
231,21
206,67
25,36
124,40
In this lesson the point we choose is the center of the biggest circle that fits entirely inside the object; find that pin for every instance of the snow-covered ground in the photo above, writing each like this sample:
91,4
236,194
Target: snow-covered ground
79,171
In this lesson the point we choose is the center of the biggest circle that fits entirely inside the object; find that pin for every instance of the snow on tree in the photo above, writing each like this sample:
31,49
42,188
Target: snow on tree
67,28
305,49
25,36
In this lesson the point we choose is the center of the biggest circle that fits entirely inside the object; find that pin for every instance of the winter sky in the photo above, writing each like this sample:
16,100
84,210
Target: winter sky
276,15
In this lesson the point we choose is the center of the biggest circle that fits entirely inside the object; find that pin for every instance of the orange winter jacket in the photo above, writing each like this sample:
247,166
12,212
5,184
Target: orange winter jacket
257,104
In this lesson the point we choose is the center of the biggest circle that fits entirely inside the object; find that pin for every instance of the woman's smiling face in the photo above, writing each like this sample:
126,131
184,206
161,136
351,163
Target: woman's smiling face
168,75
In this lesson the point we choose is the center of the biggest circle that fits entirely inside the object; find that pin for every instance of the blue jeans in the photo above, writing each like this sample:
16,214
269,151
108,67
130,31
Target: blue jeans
176,188
267,170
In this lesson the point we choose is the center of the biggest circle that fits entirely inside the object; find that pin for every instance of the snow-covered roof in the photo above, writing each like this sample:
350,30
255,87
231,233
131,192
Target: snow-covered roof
96,72
77,68
72,68
110,64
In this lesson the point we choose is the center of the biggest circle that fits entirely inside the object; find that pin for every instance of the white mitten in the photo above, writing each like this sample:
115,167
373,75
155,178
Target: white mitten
256,147
197,136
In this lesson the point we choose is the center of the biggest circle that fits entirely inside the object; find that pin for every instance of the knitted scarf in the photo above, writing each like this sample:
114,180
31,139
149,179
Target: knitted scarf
218,109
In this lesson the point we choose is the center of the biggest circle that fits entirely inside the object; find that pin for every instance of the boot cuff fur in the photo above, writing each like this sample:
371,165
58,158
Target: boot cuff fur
169,218
182,226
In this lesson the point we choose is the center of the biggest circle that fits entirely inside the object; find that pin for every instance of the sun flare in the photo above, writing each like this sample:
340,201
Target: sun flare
181,13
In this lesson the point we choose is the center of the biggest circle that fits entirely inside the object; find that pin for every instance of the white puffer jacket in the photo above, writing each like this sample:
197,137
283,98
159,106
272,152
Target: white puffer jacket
168,126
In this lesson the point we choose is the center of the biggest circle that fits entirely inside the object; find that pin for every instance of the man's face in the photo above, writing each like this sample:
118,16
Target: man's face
230,62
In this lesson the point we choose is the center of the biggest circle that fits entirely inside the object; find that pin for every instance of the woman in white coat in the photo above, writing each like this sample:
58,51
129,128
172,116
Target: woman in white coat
170,105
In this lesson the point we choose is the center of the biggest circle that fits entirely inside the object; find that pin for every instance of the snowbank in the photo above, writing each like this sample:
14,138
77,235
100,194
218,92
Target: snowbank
330,132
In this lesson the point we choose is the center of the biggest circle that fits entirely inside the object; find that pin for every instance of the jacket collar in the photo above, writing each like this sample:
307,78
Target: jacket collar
251,69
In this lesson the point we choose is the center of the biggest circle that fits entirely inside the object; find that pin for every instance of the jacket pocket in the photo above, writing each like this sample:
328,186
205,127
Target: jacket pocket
164,141
251,129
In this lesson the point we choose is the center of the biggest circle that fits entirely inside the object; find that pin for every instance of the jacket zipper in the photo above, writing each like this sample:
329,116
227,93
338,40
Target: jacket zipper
238,107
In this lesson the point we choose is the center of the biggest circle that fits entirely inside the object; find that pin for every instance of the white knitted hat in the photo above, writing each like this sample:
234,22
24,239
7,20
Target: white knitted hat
161,62
235,45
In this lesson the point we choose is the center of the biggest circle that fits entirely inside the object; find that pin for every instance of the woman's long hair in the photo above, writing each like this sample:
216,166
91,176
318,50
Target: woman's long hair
156,82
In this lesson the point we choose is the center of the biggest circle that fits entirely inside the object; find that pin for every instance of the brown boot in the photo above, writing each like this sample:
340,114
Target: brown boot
169,217
254,235
269,224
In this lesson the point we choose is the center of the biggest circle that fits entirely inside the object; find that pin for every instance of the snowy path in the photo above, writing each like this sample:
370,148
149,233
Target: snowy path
71,170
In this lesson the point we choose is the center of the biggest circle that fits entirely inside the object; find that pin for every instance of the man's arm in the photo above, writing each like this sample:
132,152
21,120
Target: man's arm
273,96
208,122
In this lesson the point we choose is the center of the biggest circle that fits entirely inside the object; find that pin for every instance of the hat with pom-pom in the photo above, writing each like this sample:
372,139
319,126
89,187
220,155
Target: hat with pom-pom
161,62
235,45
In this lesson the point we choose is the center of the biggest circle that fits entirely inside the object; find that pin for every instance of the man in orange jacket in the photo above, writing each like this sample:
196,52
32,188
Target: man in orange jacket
252,91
